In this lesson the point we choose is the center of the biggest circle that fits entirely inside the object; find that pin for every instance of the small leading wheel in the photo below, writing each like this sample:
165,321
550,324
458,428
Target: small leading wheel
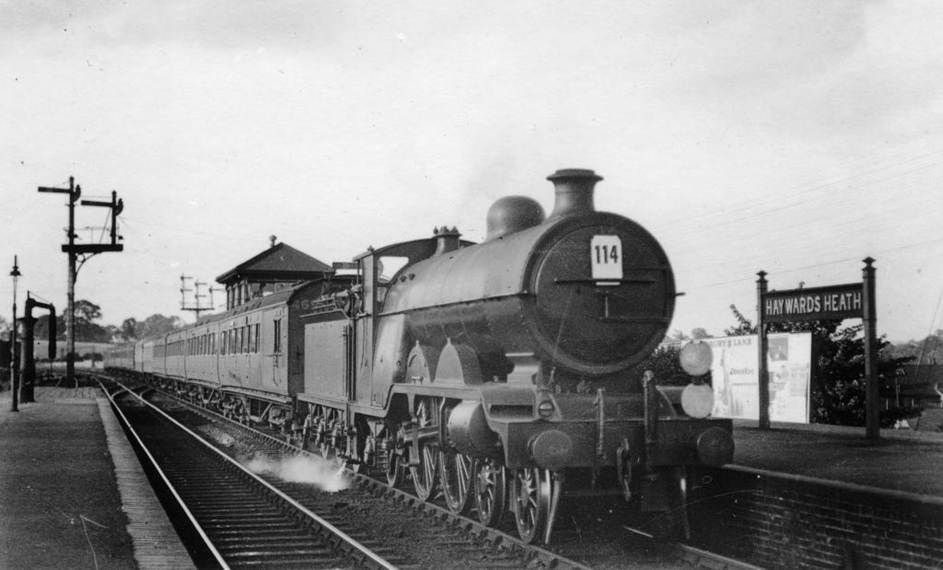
425,474
530,501
457,479
490,487
394,469
392,449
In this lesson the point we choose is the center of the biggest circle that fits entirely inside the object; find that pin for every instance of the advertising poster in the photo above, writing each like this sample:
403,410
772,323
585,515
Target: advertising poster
736,380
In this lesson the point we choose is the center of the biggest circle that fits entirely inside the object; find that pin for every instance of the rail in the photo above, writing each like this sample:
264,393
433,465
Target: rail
365,552
163,476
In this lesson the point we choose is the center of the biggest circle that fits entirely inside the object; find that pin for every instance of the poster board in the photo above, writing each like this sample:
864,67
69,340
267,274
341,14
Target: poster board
736,377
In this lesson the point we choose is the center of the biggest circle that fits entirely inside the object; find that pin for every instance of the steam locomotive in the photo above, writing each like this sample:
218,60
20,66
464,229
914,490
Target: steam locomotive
497,373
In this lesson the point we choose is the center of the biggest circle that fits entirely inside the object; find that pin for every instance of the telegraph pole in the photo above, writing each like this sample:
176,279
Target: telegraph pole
73,251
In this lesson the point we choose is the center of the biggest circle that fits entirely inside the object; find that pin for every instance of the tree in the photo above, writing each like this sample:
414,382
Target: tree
743,327
839,392
129,329
86,330
677,336
114,334
41,328
132,329
926,351
158,324
699,333
86,312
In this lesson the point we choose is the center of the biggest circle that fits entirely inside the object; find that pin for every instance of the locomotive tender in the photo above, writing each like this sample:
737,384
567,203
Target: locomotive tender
497,372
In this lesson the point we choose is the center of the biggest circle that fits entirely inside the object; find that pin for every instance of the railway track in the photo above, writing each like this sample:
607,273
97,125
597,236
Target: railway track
376,514
242,521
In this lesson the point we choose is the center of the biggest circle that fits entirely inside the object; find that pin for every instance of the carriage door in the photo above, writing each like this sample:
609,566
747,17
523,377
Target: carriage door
274,349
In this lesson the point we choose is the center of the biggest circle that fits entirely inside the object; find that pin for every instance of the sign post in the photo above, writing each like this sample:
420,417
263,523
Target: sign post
762,344
835,302
872,406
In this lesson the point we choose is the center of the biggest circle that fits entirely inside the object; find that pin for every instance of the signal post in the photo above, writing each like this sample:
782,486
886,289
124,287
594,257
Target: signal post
73,250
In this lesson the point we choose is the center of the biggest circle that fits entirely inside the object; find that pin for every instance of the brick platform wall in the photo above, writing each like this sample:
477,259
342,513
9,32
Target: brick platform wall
791,522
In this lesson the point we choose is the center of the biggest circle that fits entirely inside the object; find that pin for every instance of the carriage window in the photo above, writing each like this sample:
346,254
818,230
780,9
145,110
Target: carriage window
255,347
250,339
277,340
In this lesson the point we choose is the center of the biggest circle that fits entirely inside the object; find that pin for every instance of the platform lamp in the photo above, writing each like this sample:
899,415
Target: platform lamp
15,274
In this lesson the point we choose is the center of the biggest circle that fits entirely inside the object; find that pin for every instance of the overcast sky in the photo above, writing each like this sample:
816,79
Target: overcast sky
793,137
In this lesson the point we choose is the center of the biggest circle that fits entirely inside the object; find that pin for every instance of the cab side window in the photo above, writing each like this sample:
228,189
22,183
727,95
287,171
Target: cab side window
277,334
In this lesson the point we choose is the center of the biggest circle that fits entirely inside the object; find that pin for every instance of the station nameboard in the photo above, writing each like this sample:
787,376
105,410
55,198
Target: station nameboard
835,302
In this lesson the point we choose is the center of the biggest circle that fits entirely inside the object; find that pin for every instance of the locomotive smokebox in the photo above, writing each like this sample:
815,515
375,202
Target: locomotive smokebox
574,192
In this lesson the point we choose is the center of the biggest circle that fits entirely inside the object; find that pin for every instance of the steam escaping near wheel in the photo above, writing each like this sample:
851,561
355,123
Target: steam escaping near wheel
218,435
326,474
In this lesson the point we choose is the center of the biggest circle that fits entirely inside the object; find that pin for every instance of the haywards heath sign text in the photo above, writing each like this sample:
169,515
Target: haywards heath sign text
821,303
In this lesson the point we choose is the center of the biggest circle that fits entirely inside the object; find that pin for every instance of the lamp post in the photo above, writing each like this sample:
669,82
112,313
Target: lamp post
14,361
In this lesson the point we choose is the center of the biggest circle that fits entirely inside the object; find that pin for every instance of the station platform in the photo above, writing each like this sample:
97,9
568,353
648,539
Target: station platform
72,492
900,461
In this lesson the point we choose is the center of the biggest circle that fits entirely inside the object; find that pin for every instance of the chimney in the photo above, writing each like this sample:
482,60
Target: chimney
446,239
574,192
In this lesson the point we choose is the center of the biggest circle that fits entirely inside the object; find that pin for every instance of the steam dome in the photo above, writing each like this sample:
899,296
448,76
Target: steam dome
513,214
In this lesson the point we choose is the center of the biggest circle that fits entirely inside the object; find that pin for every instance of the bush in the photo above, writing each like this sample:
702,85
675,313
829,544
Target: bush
890,417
